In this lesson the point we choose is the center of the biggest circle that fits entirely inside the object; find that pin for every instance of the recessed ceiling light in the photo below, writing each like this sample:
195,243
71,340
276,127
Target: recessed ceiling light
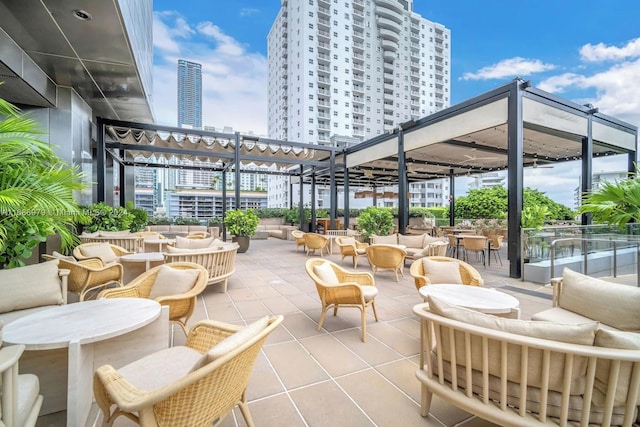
82,15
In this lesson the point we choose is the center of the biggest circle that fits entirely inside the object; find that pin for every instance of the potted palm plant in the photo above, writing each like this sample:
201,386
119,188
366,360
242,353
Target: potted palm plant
243,225
36,190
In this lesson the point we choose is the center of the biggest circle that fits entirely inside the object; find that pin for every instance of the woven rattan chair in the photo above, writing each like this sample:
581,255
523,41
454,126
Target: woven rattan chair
181,393
468,274
88,274
181,305
150,235
386,257
495,245
118,251
299,236
349,246
477,245
353,289
315,241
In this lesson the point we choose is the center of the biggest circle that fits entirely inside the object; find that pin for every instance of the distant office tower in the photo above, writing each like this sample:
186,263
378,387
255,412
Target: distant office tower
189,94
356,68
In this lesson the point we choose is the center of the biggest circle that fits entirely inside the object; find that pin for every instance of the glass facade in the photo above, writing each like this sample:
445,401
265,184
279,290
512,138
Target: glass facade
189,94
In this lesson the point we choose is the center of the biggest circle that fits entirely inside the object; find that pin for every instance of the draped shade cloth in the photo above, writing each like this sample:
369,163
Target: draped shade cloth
195,148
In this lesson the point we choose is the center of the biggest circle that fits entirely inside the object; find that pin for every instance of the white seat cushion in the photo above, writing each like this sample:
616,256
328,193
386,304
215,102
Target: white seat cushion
160,368
369,292
183,242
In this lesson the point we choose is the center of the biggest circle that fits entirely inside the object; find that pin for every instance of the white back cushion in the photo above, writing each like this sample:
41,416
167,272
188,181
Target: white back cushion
171,281
442,271
325,272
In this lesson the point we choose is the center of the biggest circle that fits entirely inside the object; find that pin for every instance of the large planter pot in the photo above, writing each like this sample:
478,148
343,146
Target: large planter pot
243,242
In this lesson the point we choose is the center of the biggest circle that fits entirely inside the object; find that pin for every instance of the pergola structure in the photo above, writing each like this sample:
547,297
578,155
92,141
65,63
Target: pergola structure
511,127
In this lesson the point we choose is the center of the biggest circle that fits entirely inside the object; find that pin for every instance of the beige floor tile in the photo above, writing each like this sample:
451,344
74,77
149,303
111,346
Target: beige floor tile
373,351
402,373
252,309
301,326
325,404
333,356
279,305
402,343
305,302
276,411
241,294
264,381
369,389
294,365
410,326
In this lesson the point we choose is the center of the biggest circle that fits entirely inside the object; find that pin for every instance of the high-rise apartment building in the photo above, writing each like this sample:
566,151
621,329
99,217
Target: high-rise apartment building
189,94
353,67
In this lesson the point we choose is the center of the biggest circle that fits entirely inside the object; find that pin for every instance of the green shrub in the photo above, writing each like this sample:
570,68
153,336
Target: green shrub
374,221
241,223
101,216
140,217
186,221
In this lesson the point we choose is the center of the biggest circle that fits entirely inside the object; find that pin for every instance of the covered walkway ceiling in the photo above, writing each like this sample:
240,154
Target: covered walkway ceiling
472,138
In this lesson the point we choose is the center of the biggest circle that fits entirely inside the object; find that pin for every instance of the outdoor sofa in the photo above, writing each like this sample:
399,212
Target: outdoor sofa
577,367
416,246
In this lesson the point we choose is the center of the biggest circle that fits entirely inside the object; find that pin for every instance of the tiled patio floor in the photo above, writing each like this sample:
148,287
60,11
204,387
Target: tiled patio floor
331,378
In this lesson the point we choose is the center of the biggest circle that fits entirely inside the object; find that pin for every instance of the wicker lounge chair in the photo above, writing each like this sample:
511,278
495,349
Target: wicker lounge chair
181,386
88,274
219,263
386,257
340,288
197,235
299,236
97,249
349,246
468,274
181,304
315,241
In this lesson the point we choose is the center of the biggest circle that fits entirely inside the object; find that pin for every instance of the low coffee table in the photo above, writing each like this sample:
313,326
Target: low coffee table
66,344
484,300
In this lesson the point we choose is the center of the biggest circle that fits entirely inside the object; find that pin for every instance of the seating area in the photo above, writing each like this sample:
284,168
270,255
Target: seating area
358,359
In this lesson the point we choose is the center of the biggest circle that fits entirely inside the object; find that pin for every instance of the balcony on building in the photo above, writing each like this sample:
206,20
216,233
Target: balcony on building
325,12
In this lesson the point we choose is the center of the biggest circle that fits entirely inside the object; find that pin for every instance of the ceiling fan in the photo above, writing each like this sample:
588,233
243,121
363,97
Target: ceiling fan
536,165
470,159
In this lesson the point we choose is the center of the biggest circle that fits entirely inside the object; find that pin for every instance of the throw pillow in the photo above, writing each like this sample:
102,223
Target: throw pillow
101,250
174,250
61,256
614,339
232,342
348,241
442,271
30,286
183,242
610,303
325,273
172,281
411,241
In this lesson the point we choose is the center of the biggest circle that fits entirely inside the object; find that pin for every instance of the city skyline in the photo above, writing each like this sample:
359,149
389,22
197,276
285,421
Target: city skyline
587,52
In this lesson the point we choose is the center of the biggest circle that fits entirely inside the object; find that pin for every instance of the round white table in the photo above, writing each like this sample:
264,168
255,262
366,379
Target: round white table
131,271
484,300
66,344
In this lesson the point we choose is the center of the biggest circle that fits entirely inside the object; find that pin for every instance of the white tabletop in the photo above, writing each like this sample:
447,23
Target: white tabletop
84,322
485,300
156,241
143,257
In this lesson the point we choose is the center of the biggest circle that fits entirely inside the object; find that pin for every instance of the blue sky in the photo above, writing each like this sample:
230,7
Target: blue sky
587,51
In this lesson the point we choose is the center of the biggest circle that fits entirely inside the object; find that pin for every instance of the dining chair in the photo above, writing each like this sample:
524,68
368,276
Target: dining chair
475,244
299,236
495,245
338,287
350,247
386,257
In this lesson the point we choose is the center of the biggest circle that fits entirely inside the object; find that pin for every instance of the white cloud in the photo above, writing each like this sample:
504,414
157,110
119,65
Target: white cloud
511,67
616,93
234,80
602,52
246,11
